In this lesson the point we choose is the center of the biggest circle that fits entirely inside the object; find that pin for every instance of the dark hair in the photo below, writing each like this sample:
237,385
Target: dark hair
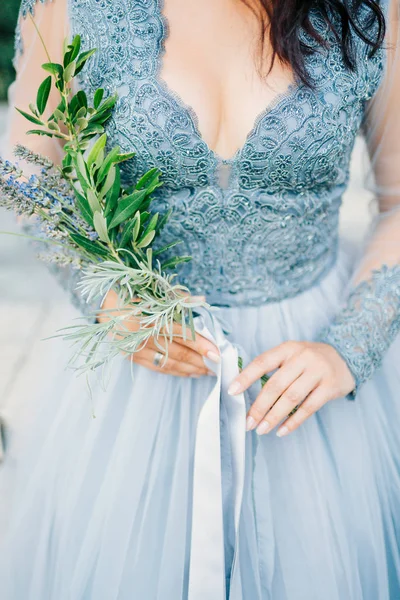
282,21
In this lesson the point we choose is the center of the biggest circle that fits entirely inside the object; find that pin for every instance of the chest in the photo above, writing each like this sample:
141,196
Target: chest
302,137
224,73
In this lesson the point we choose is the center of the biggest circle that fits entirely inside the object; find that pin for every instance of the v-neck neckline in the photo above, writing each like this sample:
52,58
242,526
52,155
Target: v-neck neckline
279,99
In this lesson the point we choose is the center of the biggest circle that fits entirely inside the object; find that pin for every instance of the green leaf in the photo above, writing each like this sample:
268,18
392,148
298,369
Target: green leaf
81,123
167,247
67,160
69,72
131,230
93,248
110,159
146,240
67,171
74,106
136,228
99,160
105,109
93,129
30,118
149,181
81,112
149,256
80,169
152,225
43,95
126,156
164,220
60,85
109,182
62,106
33,109
83,58
127,207
53,126
80,163
144,215
174,262
93,201
54,68
100,225
41,132
95,151
114,193
59,115
82,98
84,207
98,97
126,236
72,50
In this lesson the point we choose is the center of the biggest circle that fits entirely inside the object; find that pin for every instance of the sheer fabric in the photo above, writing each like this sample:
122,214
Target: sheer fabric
370,319
37,43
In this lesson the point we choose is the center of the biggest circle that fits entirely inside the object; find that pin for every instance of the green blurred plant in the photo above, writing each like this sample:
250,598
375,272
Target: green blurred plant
8,21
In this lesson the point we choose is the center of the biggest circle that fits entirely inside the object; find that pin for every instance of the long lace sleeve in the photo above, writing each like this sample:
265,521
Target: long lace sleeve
51,21
369,321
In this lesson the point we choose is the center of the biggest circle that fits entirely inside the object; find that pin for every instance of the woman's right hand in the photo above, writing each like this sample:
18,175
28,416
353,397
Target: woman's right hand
185,357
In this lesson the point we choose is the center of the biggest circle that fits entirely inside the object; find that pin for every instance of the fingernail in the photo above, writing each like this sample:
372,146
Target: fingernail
214,356
250,423
234,388
282,431
211,373
263,428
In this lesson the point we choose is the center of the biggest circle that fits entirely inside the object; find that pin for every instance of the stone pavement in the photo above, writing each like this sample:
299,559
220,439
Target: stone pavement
32,306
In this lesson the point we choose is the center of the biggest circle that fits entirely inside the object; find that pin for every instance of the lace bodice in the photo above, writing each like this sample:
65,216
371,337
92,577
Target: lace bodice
263,225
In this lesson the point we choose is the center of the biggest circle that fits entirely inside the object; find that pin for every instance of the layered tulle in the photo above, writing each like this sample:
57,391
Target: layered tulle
102,482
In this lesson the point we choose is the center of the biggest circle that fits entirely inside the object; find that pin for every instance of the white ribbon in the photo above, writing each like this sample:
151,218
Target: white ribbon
207,561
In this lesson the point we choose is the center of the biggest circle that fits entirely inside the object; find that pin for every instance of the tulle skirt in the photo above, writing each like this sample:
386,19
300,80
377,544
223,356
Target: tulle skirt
99,486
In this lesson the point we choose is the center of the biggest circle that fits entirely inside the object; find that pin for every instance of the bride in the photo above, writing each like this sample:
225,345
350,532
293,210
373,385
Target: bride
193,483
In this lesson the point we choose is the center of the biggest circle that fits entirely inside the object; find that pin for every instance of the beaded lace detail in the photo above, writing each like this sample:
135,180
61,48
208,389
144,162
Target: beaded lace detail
262,226
369,322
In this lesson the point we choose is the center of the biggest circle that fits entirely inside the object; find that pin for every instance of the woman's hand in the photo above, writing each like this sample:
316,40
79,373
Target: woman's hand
185,357
308,374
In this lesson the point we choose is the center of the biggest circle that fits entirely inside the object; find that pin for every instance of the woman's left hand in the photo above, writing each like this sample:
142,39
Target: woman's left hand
308,374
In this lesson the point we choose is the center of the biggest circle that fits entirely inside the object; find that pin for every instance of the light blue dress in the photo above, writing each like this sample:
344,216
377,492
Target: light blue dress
103,509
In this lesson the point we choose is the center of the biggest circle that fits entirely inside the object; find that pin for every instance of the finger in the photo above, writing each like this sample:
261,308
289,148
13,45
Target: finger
279,382
200,344
179,353
292,397
176,373
169,364
314,402
264,363
147,364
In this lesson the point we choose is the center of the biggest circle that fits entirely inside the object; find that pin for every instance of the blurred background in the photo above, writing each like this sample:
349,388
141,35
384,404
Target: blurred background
32,306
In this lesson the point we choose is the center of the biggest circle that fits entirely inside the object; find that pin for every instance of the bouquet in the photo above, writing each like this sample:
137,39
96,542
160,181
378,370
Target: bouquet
94,224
